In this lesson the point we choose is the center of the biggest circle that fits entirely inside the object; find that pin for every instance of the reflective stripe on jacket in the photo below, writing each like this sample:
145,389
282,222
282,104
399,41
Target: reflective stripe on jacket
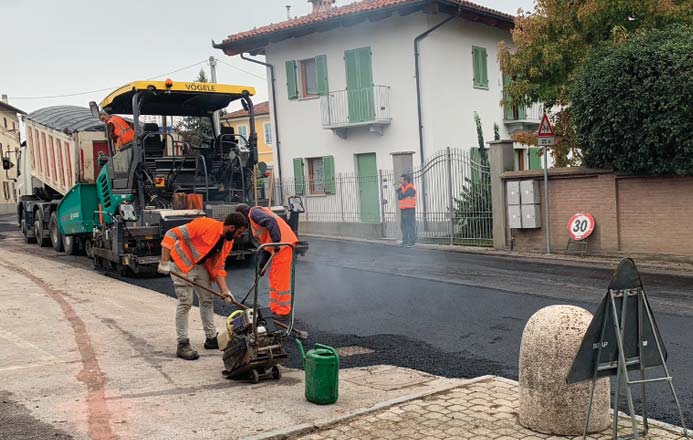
189,243
262,219
124,134
408,197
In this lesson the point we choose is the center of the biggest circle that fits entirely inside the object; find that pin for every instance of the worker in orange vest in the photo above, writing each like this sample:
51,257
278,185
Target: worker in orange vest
406,194
198,251
267,227
119,129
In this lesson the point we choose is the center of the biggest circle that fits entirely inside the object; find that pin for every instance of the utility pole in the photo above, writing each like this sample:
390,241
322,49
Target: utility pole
213,74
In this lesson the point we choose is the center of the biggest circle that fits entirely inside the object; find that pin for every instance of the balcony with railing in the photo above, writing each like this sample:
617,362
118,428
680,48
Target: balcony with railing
522,118
368,106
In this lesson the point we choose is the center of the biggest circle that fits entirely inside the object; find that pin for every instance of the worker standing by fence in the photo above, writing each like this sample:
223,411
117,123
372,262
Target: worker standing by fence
406,194
267,227
199,250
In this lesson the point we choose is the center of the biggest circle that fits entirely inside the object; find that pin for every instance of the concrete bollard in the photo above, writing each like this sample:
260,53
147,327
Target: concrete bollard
547,403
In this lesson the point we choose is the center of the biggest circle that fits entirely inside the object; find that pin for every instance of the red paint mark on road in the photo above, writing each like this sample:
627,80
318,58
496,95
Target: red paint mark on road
99,416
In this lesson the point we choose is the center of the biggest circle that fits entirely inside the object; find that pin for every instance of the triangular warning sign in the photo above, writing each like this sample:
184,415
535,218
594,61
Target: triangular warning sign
545,128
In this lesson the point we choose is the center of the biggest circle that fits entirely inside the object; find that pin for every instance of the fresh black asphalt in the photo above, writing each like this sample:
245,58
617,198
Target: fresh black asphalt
450,313
457,314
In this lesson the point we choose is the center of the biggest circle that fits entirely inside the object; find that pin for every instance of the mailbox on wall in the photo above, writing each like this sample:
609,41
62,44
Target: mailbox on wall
523,204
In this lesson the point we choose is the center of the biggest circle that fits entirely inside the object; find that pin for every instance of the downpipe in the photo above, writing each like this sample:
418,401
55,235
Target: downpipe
419,106
277,142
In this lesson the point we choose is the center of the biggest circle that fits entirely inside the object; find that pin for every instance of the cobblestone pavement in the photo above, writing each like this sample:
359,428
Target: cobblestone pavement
481,411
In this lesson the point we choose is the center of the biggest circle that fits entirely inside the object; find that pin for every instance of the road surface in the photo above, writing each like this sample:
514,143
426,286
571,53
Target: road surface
453,314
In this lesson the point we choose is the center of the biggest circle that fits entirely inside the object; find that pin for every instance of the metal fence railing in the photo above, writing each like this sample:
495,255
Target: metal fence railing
342,108
453,199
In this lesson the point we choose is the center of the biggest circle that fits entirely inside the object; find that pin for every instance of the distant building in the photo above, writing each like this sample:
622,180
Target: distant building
9,144
239,120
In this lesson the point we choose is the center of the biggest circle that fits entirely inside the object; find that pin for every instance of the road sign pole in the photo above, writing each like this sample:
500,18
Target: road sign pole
546,201
545,138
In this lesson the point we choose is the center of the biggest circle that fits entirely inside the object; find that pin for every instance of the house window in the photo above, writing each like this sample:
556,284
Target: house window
243,134
320,176
268,133
306,78
309,77
480,64
316,175
5,120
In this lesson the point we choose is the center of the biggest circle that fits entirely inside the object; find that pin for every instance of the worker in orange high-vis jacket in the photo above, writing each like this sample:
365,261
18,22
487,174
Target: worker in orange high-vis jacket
119,129
198,251
267,227
406,194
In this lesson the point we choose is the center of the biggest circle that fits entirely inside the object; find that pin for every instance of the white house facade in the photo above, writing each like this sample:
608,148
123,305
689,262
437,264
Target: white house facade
343,82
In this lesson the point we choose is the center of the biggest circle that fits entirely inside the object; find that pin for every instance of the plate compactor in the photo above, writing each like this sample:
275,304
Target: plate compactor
252,342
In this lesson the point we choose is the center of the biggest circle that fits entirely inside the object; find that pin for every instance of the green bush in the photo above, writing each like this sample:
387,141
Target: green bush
633,104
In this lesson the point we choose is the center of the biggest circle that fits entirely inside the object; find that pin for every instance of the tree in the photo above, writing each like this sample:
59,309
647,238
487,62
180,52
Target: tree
480,139
194,130
552,42
473,221
633,104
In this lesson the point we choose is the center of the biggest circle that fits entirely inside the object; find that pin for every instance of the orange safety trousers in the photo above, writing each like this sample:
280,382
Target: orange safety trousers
280,282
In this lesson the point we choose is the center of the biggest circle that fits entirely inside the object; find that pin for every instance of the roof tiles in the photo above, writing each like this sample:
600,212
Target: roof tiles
363,6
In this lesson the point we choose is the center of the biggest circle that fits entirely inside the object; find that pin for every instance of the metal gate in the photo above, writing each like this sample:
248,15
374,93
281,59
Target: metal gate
453,199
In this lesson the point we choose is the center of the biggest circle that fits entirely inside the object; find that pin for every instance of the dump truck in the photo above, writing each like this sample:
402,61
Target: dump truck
80,193
61,150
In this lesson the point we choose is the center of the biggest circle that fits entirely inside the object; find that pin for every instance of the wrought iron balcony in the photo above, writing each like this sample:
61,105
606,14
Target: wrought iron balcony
521,118
369,106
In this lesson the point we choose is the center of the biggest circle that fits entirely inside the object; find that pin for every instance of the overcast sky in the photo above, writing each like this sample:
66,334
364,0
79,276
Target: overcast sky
65,47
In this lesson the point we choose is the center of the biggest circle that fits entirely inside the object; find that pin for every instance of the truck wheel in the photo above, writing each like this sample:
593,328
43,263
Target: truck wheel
25,232
56,236
38,231
70,245
89,248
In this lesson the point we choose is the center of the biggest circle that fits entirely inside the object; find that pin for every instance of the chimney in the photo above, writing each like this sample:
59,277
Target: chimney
288,12
4,99
321,5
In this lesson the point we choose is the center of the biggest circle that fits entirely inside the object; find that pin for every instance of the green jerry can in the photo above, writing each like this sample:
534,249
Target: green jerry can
322,373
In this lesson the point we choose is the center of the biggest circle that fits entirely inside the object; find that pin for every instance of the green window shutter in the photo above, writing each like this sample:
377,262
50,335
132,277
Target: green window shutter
475,159
484,68
534,158
328,170
291,80
476,66
522,112
299,180
479,63
507,108
321,64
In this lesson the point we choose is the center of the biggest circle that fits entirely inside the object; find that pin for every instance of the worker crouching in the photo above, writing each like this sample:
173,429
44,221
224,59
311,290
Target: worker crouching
198,251
267,227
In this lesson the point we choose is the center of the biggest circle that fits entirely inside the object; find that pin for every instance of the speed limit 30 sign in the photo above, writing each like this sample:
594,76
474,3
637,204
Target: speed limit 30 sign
580,226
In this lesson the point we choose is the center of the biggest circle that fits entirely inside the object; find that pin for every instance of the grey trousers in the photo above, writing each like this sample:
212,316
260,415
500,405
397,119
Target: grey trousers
408,225
184,292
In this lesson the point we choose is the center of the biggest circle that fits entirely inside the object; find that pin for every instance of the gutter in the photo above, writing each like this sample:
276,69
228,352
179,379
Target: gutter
276,120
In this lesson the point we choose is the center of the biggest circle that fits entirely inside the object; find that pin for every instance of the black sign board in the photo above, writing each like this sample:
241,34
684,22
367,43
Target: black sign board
638,326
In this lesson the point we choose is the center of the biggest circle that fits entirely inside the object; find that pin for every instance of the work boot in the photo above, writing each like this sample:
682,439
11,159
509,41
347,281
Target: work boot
186,352
212,343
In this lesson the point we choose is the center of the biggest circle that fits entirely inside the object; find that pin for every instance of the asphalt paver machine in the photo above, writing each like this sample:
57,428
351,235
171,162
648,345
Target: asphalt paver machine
161,179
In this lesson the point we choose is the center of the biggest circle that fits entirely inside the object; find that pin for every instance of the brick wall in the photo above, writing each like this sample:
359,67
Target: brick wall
633,214
656,215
